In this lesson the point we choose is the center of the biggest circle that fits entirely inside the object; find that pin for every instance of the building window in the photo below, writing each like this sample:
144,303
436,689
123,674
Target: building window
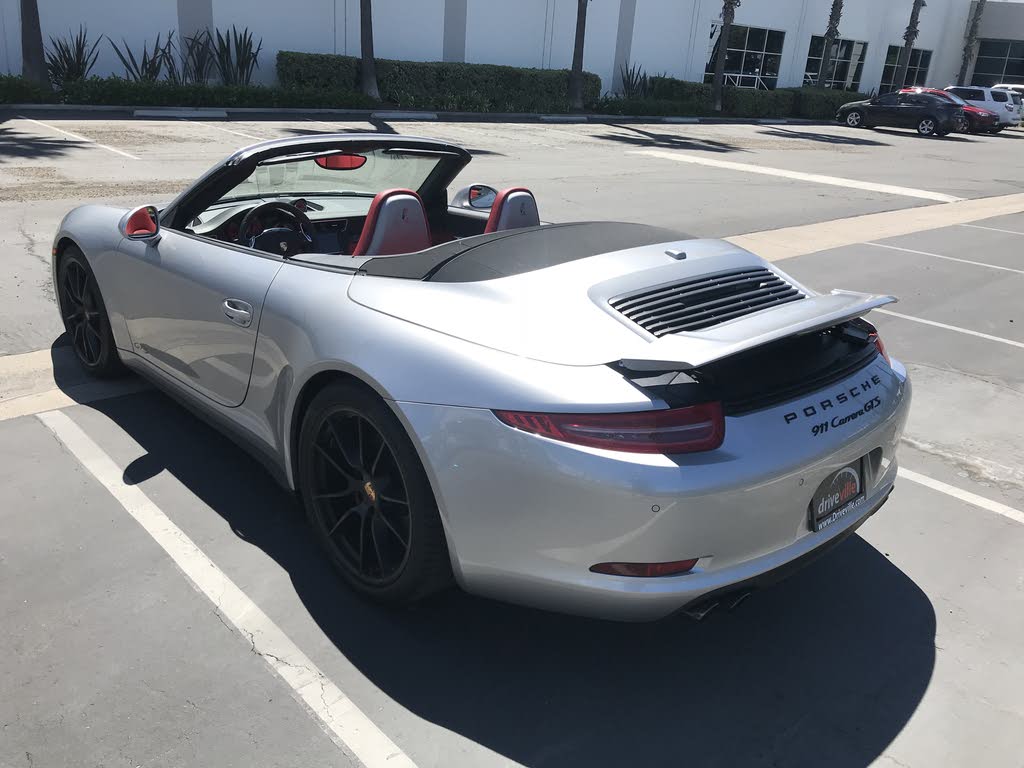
752,57
999,61
917,72
847,63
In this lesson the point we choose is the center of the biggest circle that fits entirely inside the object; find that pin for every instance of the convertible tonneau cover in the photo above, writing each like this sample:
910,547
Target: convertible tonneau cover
516,251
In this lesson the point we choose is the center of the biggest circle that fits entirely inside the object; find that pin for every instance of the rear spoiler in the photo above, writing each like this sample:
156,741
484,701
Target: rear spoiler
694,349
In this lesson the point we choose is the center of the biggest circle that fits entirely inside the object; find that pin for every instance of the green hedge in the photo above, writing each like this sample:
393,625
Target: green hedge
441,85
116,91
17,90
669,96
822,103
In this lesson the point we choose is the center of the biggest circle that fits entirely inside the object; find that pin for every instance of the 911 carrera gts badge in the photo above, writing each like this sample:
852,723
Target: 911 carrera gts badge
842,397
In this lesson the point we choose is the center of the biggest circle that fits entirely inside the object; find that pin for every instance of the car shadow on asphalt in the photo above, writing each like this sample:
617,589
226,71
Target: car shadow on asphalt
823,669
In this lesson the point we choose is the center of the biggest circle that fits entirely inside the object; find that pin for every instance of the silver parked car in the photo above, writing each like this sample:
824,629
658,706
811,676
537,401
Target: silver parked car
598,418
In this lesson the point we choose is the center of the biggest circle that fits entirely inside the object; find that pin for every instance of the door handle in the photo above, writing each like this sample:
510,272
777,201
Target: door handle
238,312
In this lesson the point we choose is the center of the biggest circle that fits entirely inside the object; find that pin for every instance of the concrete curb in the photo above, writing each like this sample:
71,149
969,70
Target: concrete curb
395,115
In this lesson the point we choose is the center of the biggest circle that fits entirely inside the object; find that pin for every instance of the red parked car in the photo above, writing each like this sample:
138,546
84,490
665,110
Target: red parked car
975,119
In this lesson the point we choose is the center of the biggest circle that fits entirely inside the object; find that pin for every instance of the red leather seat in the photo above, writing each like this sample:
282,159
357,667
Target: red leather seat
395,223
513,208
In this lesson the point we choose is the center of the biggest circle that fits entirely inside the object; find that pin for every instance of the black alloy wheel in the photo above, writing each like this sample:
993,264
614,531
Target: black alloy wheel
360,497
85,316
368,498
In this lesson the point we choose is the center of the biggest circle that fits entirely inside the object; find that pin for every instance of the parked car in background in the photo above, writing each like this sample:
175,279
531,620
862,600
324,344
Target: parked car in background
974,120
931,115
1000,101
1017,88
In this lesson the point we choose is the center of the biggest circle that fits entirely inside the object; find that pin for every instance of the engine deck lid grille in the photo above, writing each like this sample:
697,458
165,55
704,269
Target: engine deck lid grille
705,301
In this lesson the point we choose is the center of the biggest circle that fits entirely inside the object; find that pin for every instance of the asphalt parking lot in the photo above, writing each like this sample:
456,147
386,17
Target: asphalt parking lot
901,648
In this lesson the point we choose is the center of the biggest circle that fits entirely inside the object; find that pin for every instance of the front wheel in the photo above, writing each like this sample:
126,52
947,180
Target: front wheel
963,125
855,118
368,498
85,316
927,127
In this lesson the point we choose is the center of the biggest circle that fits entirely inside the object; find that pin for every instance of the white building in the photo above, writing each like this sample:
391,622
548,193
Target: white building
772,45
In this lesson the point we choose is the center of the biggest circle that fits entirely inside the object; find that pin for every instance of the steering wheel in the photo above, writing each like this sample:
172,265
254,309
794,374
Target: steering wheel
282,240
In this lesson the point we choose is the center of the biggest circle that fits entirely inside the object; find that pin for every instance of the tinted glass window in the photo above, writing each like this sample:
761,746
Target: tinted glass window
887,99
917,69
846,63
998,61
971,94
1000,96
752,57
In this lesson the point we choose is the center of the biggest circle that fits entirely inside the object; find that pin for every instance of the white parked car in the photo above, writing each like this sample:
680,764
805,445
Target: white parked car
1015,87
1005,103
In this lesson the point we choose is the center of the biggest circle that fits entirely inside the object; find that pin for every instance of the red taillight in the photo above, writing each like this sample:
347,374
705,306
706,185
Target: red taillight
645,570
880,346
679,430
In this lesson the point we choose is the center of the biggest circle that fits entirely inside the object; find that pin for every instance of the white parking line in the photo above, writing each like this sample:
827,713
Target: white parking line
992,229
225,130
815,178
958,329
338,715
959,493
947,258
76,137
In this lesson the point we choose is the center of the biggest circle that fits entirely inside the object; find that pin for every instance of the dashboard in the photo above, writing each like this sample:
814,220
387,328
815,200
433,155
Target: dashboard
337,221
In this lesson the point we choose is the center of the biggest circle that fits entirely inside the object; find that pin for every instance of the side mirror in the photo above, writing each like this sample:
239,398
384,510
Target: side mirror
140,223
478,196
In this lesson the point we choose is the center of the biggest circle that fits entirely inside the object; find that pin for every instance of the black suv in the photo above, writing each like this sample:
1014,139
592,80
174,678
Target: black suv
930,115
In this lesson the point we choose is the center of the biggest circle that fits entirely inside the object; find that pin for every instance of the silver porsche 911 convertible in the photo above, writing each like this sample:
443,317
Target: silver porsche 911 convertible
607,419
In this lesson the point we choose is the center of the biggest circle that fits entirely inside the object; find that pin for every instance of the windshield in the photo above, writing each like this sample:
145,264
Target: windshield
384,168
956,99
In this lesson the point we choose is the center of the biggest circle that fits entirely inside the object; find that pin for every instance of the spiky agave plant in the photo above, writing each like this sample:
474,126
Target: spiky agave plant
197,58
635,82
235,56
148,67
71,58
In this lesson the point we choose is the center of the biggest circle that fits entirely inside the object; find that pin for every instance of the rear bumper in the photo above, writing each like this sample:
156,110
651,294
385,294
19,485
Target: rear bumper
526,517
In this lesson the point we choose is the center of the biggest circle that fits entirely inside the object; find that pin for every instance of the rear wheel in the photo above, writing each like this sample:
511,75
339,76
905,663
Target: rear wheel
855,118
85,316
927,127
368,498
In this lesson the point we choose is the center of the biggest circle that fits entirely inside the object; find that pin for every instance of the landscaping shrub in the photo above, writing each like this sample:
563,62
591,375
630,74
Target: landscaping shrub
116,91
442,85
821,103
15,89
747,102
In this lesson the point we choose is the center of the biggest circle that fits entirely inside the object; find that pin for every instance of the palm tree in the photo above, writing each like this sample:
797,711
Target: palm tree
576,73
33,63
908,45
970,42
831,34
728,16
368,66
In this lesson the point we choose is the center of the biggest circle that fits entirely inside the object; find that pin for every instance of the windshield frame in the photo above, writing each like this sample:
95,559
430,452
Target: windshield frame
224,177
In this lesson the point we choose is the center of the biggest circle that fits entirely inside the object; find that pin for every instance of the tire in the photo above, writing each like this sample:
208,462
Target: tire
963,125
927,126
855,119
375,517
85,316
997,129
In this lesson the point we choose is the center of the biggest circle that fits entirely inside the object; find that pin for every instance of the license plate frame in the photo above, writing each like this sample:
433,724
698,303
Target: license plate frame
836,496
